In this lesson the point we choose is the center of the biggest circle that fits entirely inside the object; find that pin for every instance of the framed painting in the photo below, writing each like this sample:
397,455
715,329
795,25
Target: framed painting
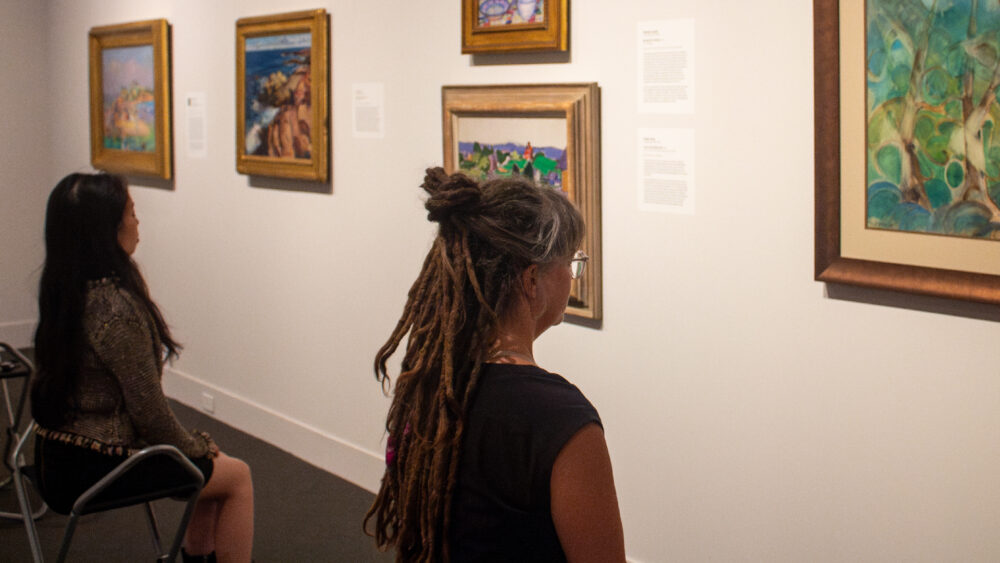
505,26
130,98
282,88
907,147
549,133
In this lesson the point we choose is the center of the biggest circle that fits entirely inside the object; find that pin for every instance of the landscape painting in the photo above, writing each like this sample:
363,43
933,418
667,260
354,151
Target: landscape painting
549,133
933,117
534,147
129,100
282,93
129,68
510,12
278,97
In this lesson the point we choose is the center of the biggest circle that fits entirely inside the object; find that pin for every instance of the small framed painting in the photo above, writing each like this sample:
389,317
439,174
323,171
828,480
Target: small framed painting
282,88
549,133
504,26
130,98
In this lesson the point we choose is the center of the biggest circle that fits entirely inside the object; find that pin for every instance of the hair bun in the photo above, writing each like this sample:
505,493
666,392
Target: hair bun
450,195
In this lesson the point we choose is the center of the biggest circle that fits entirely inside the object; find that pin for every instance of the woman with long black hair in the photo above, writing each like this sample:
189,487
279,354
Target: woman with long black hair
100,346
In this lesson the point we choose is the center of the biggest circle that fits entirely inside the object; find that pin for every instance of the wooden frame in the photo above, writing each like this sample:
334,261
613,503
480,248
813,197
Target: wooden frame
550,34
830,264
131,133
289,137
567,113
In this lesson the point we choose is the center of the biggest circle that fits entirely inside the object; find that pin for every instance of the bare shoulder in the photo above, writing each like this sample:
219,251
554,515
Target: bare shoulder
584,501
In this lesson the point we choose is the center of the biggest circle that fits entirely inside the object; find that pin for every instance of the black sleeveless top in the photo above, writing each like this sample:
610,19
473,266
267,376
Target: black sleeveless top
520,419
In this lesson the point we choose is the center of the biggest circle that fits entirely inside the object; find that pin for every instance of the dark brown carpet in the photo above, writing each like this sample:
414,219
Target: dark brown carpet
302,513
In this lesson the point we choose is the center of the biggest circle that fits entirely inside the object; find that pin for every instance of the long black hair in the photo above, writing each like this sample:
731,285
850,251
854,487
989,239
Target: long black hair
82,219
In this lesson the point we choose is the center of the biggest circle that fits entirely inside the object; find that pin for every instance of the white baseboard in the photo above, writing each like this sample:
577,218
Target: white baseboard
19,334
348,461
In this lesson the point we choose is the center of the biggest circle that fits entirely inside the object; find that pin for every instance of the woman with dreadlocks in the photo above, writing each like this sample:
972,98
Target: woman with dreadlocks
489,457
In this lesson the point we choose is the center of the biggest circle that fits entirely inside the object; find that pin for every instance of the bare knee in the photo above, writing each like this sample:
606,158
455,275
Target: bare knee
230,476
242,471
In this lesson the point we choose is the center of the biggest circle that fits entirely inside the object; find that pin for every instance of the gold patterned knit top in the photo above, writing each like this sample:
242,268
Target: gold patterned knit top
120,400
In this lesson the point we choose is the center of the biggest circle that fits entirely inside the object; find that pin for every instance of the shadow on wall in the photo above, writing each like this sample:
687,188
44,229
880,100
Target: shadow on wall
148,182
492,59
967,309
284,184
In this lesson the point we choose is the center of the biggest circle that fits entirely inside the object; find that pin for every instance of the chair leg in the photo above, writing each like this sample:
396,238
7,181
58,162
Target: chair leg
175,549
67,537
154,528
28,517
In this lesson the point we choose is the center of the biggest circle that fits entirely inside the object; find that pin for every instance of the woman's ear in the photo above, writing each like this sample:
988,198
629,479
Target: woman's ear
529,281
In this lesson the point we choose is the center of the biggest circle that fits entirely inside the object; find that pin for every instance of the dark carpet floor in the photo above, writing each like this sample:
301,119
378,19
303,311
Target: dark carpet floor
302,513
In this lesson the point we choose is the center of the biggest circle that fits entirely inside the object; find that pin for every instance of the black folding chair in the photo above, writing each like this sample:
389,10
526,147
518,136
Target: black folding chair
13,366
98,499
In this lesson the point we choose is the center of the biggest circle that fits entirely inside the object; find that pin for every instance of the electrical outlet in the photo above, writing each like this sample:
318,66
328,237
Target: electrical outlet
207,403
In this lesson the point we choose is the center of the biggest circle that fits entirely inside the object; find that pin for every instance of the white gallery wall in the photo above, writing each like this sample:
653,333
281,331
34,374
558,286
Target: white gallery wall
24,159
750,414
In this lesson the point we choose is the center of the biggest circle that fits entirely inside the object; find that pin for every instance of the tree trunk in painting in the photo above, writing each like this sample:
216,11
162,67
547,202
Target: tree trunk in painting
933,145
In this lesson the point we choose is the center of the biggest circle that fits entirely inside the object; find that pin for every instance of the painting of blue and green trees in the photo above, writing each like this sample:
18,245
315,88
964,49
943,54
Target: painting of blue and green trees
933,145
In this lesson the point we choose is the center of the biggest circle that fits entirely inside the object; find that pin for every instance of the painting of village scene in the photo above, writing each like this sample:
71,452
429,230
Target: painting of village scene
278,101
933,116
510,12
506,146
128,100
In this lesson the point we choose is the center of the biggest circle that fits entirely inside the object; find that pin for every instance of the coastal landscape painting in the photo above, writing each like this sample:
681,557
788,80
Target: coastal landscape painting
278,100
282,91
130,129
501,146
129,98
933,146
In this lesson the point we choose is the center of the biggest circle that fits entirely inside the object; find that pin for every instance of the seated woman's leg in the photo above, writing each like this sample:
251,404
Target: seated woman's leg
223,517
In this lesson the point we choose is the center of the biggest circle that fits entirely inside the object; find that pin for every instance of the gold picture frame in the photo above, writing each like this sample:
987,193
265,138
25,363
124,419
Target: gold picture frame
838,142
489,130
130,105
282,93
508,26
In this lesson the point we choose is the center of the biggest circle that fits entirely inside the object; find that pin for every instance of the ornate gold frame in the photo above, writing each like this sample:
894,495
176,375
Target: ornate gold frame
580,105
551,35
152,32
315,22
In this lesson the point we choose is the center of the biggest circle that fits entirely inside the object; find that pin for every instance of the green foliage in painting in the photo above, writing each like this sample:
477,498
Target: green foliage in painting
938,193
954,174
933,103
890,162
484,160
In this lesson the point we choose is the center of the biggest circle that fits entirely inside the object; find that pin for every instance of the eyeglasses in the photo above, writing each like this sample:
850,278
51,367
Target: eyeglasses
578,264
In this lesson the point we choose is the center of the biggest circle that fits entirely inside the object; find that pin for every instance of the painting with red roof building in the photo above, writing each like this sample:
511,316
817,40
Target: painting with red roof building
505,146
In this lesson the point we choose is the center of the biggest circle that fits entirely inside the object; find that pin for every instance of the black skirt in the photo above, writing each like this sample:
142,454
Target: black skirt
66,471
